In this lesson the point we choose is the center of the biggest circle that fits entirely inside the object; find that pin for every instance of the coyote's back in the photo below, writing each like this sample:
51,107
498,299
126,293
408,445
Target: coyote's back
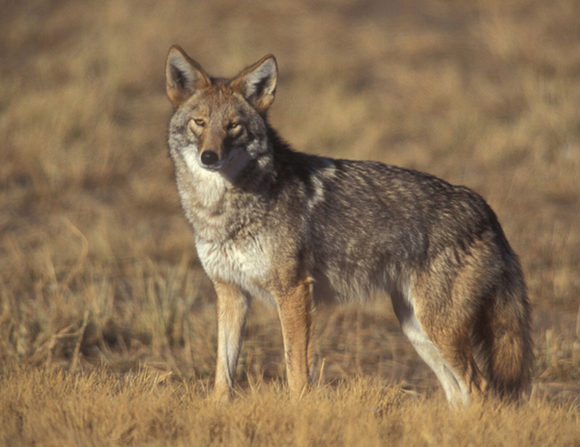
293,229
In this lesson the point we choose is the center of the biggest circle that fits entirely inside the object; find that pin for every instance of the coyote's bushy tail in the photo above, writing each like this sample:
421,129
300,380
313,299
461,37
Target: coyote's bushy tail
505,341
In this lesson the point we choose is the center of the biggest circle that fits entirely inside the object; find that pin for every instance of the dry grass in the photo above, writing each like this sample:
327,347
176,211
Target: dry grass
107,331
145,408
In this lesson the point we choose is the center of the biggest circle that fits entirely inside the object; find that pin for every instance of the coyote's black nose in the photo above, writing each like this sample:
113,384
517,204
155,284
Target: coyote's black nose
209,158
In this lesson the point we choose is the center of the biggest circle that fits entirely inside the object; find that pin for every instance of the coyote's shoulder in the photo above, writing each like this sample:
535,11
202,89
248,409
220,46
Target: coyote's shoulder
294,229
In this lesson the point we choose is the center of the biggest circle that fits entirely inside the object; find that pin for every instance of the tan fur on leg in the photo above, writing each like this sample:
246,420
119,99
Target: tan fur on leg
232,308
295,310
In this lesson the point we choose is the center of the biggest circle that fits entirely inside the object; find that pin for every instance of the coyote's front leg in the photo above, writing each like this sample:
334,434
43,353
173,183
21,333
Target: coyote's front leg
295,311
232,309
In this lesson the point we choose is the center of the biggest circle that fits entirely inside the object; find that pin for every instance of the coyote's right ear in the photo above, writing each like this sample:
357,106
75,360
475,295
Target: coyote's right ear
183,76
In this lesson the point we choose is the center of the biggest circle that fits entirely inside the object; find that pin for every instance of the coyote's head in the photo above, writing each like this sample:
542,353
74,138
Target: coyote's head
219,120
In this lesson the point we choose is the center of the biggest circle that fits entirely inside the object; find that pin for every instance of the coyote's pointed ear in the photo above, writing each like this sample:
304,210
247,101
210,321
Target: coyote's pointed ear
257,83
183,76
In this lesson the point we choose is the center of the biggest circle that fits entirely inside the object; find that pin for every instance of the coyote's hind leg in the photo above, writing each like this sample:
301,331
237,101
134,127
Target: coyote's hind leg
446,352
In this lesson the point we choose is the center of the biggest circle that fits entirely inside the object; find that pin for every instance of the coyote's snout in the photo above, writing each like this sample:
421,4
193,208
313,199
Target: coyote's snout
292,228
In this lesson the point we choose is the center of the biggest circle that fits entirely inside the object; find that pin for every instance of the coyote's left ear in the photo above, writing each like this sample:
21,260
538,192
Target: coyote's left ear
257,83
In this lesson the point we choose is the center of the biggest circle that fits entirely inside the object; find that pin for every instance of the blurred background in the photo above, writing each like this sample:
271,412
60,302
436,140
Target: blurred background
97,264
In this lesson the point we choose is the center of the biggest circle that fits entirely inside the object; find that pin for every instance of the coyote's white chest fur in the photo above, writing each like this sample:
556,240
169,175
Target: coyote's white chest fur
245,265
242,261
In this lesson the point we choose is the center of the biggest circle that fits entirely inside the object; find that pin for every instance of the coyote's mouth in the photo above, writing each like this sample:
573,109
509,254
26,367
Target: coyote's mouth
214,167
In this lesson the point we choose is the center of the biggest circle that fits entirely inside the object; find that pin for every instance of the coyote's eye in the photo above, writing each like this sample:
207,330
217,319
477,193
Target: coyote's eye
233,126
198,122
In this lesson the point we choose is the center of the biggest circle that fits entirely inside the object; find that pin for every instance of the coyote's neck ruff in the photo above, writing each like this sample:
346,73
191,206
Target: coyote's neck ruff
293,229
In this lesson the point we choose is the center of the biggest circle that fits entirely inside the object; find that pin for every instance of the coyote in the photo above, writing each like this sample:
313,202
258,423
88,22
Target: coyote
295,229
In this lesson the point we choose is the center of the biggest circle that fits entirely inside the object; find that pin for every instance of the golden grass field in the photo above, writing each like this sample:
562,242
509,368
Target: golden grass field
107,324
